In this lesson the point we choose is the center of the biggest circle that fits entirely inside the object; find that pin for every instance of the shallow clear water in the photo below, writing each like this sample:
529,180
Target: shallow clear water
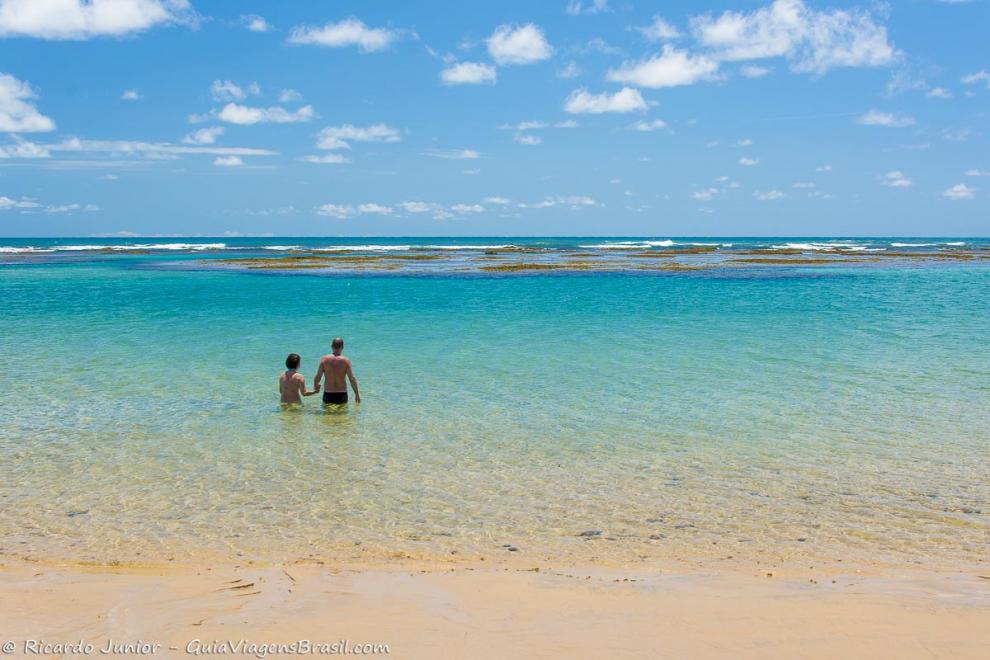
724,413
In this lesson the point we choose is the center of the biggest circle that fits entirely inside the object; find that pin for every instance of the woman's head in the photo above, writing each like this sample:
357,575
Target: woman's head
292,362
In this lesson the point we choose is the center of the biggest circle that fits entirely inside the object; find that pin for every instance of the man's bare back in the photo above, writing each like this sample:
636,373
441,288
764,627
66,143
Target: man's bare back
337,370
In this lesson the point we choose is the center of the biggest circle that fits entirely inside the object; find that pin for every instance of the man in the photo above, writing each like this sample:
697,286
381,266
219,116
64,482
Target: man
292,384
334,368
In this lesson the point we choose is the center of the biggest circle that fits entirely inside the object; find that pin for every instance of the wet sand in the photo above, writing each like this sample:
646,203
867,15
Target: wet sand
434,610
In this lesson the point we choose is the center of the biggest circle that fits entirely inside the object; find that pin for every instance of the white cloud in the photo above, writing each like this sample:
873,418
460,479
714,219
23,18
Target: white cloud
705,195
812,41
530,140
417,207
85,19
823,168
464,209
748,162
326,159
498,201
228,161
982,76
573,201
17,113
658,30
154,150
340,137
896,179
204,135
648,126
22,203
340,211
577,8
289,96
375,209
349,32
975,172
234,113
474,171
768,196
225,90
130,95
959,191
877,118
744,142
754,71
70,208
255,23
570,70
518,44
670,69
581,101
453,154
939,93
468,73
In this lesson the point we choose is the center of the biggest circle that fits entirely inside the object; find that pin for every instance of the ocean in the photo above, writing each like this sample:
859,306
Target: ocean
806,411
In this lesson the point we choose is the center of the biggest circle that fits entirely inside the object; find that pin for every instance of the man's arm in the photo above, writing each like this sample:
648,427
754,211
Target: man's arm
318,377
354,385
302,387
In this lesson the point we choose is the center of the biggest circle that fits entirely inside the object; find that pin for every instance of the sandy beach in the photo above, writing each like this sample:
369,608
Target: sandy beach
477,611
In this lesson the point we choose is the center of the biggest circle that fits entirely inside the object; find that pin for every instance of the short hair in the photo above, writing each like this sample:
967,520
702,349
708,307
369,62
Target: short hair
337,343
292,362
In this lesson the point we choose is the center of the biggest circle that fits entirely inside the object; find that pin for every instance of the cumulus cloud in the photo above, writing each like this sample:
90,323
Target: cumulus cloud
976,172
326,159
17,112
959,192
748,162
518,44
578,8
289,96
255,23
85,19
895,179
939,93
204,135
130,95
573,201
658,30
228,161
648,126
153,150
754,71
982,76
340,137
235,113
348,32
768,196
225,90
673,67
812,41
877,118
498,201
530,140
823,168
705,195
468,73
21,148
570,70
453,154
581,101
339,211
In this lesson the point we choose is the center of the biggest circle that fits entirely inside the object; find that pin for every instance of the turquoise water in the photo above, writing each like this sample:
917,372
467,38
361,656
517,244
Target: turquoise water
790,413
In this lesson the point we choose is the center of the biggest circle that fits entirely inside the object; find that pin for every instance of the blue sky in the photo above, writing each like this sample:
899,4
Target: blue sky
159,117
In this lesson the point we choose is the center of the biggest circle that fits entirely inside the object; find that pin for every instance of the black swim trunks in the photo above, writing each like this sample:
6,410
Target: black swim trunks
335,397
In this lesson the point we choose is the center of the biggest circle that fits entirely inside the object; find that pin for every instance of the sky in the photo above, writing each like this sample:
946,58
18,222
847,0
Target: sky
509,118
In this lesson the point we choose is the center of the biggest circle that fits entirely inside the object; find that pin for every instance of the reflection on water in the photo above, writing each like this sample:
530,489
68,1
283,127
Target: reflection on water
604,417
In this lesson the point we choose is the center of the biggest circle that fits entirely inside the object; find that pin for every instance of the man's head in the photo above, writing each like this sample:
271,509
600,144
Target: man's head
337,345
292,362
